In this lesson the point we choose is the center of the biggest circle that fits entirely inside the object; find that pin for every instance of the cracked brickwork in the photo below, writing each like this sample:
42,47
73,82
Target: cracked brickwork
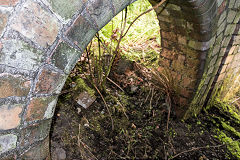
41,41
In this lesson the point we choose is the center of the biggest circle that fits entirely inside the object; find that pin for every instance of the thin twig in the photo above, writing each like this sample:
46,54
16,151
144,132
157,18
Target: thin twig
115,84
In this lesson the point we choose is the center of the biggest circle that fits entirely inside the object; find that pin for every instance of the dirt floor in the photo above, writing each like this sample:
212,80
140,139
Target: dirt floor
137,126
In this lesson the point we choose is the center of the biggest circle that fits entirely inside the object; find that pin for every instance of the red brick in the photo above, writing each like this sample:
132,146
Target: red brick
13,85
48,81
8,2
36,24
37,107
9,116
169,35
3,21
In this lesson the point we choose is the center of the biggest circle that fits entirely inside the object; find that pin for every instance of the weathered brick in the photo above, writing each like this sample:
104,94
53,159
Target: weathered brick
49,82
18,54
13,85
169,36
169,54
3,19
66,8
34,133
40,151
7,142
9,116
65,57
8,2
38,107
81,33
36,24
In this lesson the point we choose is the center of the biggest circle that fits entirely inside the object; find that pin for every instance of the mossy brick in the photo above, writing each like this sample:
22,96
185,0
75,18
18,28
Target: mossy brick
100,11
18,54
8,142
10,116
8,2
35,23
13,85
49,82
219,39
197,45
237,4
216,49
237,18
81,32
65,57
119,5
38,107
67,8
223,16
221,27
230,29
231,3
226,40
231,16
34,132
213,60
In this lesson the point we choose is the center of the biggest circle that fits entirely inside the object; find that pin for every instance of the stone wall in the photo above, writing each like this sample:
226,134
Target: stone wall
41,41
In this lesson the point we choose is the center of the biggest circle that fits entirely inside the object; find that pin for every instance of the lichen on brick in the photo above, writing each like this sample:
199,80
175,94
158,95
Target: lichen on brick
18,54
7,142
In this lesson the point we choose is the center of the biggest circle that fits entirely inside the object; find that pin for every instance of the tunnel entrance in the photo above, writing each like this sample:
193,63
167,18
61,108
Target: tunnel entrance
117,103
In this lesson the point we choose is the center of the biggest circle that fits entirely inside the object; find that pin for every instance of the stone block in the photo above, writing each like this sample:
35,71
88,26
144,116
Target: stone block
81,32
18,54
10,116
7,142
49,82
67,8
13,85
85,99
8,2
38,107
36,24
65,57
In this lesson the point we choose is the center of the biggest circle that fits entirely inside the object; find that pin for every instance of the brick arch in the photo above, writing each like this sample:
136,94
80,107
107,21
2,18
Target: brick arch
41,41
